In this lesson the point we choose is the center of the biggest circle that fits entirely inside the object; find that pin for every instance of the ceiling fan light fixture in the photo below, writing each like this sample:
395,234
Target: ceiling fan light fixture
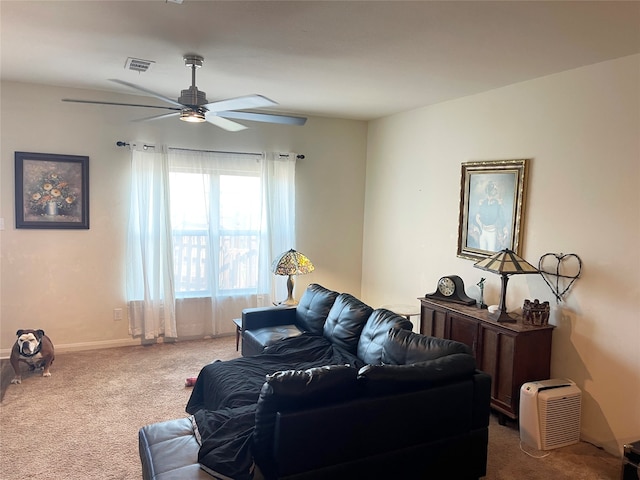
192,105
193,96
192,116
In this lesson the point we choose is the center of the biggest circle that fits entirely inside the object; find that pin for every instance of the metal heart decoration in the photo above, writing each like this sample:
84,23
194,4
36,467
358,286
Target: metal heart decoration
566,270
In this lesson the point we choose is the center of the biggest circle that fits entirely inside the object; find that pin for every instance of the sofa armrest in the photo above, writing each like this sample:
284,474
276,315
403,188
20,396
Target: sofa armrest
253,318
482,399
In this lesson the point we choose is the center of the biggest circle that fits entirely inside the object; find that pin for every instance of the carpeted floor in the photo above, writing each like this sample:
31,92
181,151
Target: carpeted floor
82,423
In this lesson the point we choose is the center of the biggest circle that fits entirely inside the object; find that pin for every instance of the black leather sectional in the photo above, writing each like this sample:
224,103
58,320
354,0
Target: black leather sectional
330,389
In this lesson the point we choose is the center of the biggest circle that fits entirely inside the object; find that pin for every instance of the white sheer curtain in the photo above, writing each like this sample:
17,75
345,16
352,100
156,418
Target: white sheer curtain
230,214
150,285
279,184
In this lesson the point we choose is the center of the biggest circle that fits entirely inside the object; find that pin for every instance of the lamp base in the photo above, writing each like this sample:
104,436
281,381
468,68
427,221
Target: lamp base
288,302
502,317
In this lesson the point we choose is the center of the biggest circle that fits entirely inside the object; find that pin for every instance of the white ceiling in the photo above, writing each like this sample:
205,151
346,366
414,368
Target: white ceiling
347,59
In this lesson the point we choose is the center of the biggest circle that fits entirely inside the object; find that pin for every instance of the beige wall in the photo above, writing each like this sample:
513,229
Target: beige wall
69,282
581,129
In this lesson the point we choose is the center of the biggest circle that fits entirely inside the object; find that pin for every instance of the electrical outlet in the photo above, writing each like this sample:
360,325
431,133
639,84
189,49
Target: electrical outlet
117,314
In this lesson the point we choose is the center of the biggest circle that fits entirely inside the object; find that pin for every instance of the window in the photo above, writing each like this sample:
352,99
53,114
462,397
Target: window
203,227
216,221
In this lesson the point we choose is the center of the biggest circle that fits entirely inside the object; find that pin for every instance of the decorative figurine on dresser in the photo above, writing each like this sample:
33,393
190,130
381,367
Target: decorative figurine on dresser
535,313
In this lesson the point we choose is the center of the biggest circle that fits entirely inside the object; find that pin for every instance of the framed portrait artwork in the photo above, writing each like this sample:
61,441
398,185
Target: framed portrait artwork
492,197
52,191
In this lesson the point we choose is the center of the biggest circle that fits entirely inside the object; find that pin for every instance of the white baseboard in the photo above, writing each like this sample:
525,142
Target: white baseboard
122,342
78,347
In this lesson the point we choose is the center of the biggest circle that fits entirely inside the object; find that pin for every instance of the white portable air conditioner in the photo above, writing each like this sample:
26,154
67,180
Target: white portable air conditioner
550,413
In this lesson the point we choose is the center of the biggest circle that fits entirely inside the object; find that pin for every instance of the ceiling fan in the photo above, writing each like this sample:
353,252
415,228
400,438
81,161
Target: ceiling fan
193,106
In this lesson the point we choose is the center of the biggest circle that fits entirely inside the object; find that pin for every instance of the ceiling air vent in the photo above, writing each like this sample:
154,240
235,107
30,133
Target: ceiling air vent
138,65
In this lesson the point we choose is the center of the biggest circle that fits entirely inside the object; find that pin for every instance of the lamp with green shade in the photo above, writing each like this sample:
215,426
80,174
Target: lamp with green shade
291,263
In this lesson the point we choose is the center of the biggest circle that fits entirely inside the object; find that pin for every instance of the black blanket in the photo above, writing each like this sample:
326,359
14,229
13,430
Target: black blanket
224,398
237,382
225,441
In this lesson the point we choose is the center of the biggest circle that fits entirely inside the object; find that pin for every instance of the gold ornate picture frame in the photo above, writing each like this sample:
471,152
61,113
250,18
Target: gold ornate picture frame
492,200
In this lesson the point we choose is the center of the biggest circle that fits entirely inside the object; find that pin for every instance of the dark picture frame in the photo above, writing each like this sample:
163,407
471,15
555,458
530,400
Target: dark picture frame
492,201
52,191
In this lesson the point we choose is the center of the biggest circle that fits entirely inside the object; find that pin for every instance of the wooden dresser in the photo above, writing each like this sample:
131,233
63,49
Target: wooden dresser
512,353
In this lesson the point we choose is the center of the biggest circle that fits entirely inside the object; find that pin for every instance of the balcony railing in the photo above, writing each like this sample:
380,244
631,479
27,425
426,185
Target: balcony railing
237,263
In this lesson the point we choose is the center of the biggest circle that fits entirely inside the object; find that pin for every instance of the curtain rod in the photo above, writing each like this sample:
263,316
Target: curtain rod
120,143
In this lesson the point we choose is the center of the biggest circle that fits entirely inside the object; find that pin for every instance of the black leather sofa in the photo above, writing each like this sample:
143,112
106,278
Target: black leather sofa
262,327
406,405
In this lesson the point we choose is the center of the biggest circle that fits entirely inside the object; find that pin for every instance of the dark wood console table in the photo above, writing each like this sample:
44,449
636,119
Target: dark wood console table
512,353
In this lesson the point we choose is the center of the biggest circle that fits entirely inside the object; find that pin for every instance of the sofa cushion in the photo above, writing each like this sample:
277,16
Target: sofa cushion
291,389
255,341
294,390
313,308
345,322
390,379
375,333
403,347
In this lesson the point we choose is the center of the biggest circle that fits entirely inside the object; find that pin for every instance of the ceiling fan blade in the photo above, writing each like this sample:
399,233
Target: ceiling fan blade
264,117
148,92
224,123
240,103
157,117
97,102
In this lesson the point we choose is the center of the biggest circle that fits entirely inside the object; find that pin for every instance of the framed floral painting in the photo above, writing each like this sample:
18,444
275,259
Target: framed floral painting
52,191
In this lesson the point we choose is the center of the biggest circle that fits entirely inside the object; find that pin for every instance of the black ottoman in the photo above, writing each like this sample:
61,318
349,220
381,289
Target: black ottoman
169,451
